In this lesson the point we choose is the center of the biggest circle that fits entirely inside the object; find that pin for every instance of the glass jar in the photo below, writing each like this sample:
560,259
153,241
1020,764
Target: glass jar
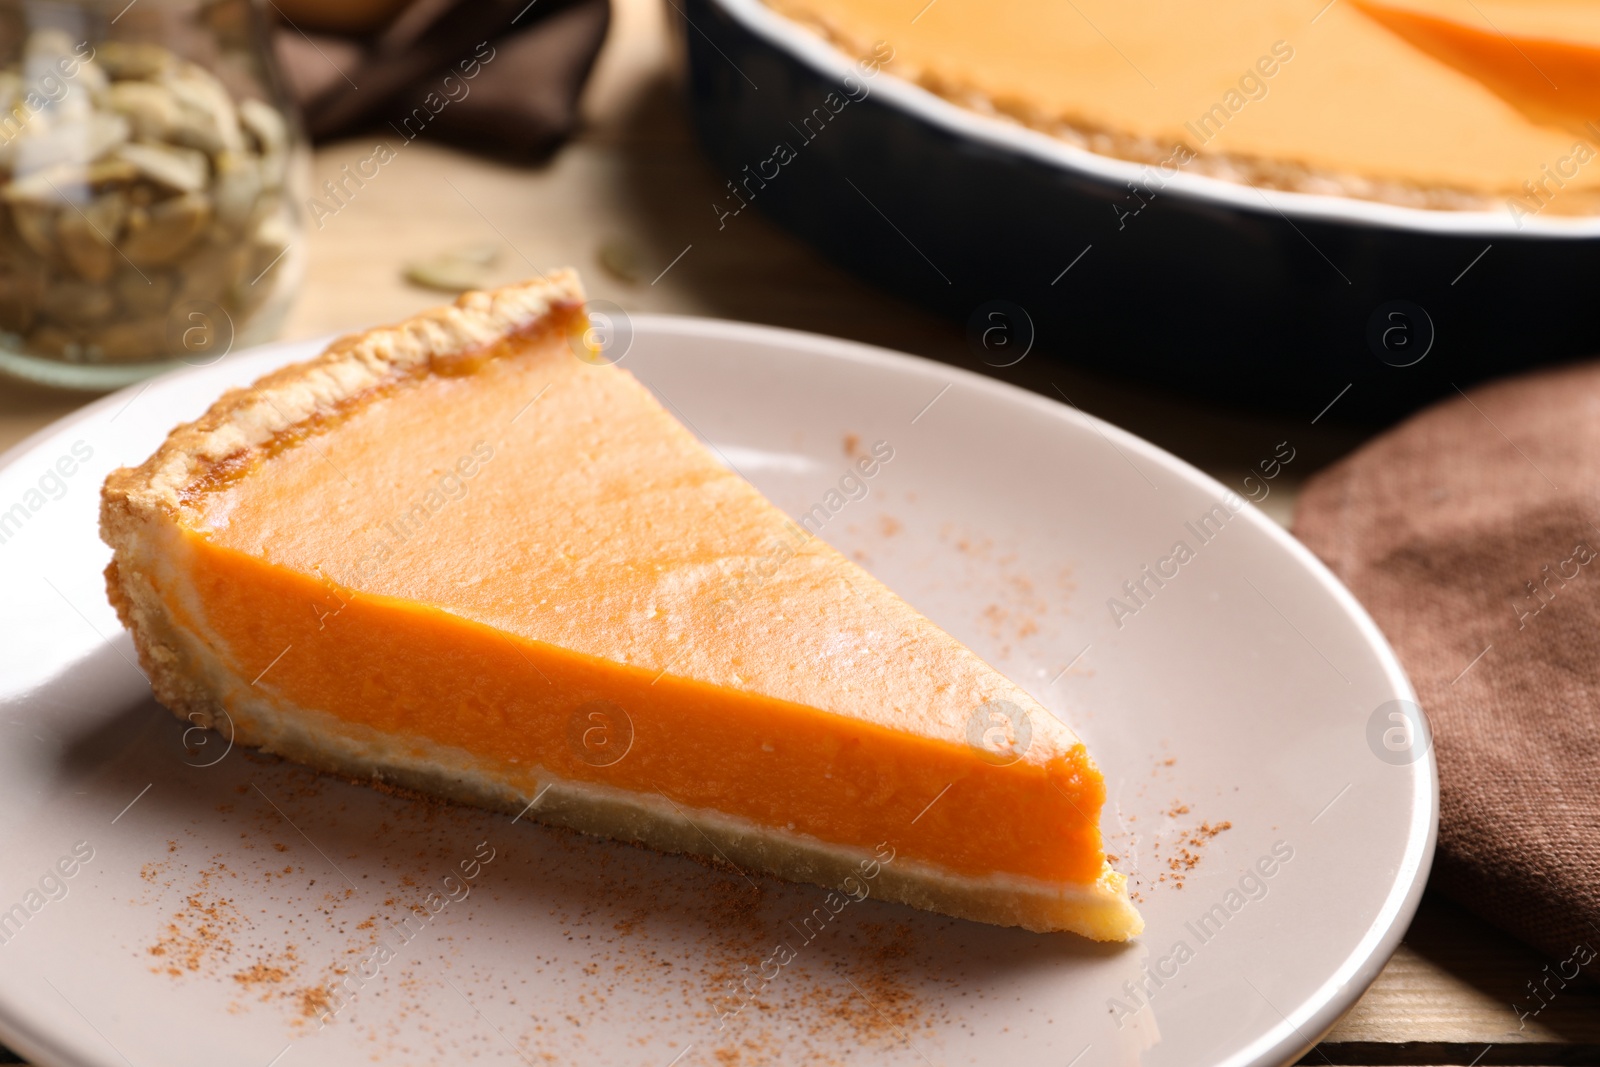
149,174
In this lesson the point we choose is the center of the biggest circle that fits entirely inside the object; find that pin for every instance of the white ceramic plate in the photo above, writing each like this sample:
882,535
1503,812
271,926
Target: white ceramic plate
225,889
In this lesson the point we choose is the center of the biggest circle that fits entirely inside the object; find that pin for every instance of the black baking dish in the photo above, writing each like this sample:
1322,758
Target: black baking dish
1192,283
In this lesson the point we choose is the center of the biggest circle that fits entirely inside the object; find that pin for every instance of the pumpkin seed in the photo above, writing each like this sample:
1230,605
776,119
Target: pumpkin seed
159,234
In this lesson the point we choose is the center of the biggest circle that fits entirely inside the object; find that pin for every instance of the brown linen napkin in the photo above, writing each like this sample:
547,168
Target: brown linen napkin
500,76
1472,534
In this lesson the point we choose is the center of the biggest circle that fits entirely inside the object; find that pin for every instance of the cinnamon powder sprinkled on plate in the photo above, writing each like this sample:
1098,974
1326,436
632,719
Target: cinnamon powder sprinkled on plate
640,928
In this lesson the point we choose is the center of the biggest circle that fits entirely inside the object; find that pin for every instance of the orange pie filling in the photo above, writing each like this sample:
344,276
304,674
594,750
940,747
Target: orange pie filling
421,672
1456,104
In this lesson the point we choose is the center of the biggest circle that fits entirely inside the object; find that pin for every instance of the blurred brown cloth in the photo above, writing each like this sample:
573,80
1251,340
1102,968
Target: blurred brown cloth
498,77
1476,526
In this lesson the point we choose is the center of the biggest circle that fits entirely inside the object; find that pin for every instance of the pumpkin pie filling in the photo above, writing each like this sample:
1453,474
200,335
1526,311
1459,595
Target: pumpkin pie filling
1462,104
521,583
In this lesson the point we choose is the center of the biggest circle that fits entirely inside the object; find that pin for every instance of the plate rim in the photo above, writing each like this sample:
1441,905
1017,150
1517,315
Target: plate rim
1320,1010
1340,991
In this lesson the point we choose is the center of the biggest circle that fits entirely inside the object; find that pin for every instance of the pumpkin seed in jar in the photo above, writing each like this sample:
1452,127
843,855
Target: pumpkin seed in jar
159,234
88,235
182,170
141,183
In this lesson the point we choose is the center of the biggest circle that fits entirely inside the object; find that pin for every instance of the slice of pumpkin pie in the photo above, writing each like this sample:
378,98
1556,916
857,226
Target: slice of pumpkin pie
452,556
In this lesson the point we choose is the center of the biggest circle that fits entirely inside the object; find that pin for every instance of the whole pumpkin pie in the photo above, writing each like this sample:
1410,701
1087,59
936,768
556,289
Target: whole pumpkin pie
1451,104
454,556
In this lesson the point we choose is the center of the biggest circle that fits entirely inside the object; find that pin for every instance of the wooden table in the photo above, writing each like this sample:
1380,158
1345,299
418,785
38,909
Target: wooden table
634,184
